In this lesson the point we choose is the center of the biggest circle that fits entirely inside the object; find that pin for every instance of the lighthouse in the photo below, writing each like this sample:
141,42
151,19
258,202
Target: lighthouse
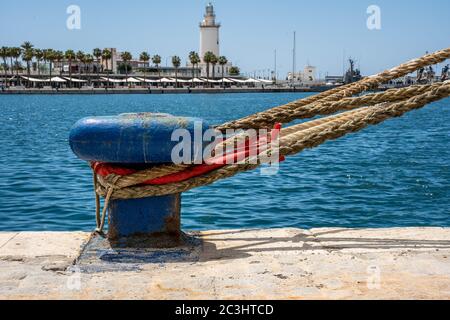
209,33
210,41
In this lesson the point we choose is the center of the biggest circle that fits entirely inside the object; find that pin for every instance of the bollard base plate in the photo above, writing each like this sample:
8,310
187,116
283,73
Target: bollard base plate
101,255
155,240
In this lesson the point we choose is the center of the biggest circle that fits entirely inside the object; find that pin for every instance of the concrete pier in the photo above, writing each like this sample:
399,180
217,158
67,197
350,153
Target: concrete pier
403,263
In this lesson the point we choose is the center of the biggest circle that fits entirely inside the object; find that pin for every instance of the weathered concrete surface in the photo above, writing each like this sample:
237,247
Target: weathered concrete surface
409,263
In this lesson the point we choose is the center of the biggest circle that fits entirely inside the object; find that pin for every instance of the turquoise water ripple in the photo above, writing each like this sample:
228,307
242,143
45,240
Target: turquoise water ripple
395,174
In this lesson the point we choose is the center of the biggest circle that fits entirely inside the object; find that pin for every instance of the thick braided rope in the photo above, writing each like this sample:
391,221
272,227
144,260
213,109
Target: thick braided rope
327,108
310,138
391,95
346,104
287,113
295,142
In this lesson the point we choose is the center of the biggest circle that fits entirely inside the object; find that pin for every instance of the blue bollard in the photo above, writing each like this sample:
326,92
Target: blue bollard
134,140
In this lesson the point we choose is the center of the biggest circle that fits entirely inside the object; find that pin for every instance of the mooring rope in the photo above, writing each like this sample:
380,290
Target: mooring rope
295,142
286,113
359,112
327,108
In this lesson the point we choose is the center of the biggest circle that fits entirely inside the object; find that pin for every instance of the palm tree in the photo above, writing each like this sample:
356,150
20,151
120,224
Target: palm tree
195,60
157,61
45,55
145,57
126,57
208,58
59,57
15,53
27,56
70,56
27,51
97,53
176,62
10,55
38,55
27,46
223,61
106,56
50,56
214,60
4,53
80,57
88,60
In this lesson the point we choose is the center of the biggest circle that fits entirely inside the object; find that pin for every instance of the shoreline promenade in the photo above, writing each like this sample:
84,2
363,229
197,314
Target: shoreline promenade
330,263
162,90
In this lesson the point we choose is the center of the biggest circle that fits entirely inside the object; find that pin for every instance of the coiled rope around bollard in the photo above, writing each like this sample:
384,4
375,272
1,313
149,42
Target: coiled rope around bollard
360,112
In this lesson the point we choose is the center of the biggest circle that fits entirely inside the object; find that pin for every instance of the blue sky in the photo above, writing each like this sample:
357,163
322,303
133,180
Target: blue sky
251,29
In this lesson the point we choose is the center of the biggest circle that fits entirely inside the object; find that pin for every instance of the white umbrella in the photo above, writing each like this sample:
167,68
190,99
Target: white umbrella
251,80
238,80
113,80
211,80
31,79
197,80
167,80
227,80
183,81
146,80
57,79
134,80
70,79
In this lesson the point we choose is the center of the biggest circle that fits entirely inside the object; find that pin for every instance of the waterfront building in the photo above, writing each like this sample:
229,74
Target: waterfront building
307,76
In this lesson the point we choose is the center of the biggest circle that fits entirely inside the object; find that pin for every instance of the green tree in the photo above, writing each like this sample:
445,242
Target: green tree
194,58
80,59
27,56
50,56
234,71
106,56
39,55
45,55
223,61
15,53
214,60
4,54
157,61
27,46
70,56
97,53
126,58
176,62
145,58
208,59
88,60
10,56
59,57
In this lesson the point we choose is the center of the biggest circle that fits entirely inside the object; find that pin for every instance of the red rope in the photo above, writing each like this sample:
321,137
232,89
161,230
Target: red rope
259,145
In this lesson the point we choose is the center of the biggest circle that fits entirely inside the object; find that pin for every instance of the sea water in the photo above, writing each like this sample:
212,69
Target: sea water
390,175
